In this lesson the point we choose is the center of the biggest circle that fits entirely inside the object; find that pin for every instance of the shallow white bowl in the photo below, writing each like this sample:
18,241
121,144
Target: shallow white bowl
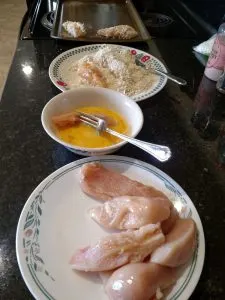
90,96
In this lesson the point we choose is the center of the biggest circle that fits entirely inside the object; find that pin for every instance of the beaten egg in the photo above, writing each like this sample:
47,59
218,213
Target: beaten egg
83,135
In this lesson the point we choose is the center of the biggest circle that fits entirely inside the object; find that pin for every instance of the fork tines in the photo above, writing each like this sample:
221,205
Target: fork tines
88,119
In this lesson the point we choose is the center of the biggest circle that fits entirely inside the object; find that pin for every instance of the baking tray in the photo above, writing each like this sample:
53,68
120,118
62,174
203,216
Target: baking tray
96,15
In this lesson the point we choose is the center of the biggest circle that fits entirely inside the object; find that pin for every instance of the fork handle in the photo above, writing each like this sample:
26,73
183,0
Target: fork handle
174,78
162,153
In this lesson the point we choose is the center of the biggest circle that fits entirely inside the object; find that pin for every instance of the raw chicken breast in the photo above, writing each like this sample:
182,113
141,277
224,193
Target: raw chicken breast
139,281
118,249
169,223
104,184
130,212
179,246
104,276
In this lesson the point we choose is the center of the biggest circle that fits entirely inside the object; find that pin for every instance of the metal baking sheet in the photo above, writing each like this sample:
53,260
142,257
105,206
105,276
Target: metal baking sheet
96,15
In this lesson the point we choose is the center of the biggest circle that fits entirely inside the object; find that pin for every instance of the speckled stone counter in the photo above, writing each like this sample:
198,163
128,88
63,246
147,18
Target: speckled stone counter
28,155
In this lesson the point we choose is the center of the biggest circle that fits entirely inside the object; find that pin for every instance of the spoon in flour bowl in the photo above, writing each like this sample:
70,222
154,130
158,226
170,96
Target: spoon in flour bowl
162,153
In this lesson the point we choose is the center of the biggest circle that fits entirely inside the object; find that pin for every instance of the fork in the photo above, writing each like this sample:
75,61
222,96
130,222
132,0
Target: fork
172,77
162,153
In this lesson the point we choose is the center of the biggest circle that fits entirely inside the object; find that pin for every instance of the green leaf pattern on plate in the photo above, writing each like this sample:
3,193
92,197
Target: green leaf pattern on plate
31,243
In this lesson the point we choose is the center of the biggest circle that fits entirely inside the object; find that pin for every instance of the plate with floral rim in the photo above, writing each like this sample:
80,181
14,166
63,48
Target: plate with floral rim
60,66
54,222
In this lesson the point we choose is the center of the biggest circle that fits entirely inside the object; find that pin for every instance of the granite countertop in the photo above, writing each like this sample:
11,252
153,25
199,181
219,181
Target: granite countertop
28,155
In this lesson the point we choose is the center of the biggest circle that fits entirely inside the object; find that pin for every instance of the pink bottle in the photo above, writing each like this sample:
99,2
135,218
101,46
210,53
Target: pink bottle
216,61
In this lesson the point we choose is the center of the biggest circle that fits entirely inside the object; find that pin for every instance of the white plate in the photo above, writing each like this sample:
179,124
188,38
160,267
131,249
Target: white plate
60,65
54,222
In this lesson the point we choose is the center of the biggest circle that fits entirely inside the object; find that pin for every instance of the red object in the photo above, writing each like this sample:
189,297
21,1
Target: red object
145,58
61,83
134,52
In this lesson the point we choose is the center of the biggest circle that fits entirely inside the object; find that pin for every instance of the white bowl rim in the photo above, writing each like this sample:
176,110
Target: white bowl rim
86,149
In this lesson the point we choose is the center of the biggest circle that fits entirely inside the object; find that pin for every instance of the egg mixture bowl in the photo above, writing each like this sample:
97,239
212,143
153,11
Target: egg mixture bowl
92,96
